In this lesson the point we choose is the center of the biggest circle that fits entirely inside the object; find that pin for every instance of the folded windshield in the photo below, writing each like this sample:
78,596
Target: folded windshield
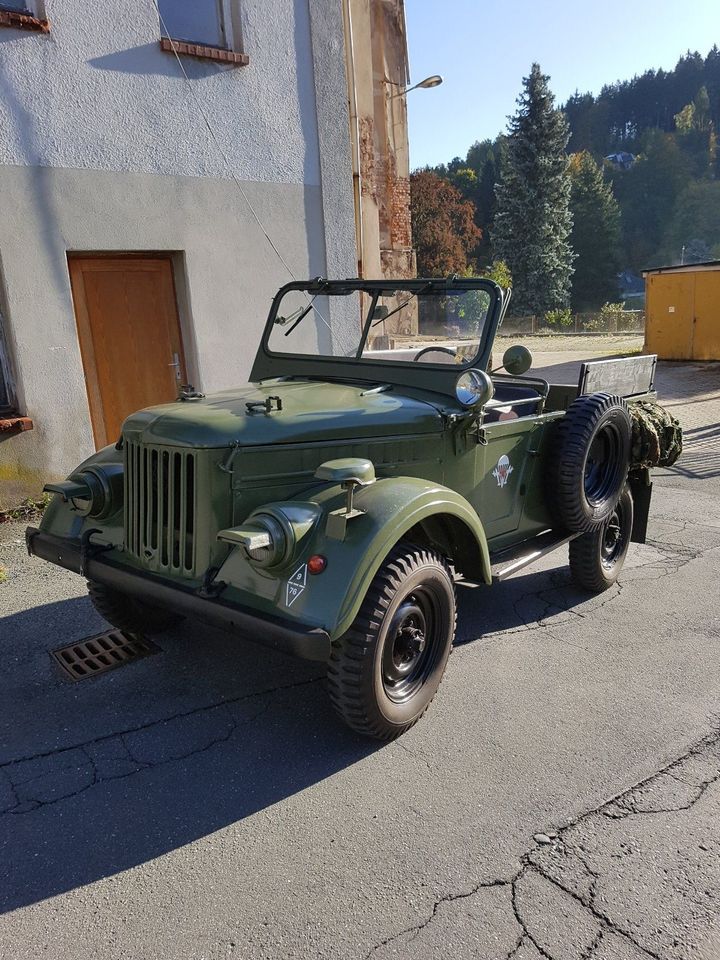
424,322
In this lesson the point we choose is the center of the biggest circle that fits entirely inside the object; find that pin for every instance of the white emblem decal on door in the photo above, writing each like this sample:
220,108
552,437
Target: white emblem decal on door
295,585
502,471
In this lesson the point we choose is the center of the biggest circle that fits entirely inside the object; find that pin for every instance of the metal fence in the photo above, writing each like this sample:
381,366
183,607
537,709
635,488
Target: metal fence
608,323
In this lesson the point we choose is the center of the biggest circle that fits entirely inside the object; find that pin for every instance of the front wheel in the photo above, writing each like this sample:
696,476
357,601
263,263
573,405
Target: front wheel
384,672
596,558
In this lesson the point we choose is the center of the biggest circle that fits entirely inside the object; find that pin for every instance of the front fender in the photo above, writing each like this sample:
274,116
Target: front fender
391,508
60,519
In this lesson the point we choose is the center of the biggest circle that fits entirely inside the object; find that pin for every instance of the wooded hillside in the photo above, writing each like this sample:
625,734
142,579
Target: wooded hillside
654,141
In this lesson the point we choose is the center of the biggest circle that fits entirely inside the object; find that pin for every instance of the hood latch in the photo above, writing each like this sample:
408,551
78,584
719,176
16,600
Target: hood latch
265,405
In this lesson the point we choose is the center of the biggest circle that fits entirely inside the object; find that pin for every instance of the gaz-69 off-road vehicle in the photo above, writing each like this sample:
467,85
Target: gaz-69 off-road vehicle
327,508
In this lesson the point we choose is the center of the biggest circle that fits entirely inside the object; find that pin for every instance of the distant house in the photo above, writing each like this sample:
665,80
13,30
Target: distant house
631,288
143,152
621,160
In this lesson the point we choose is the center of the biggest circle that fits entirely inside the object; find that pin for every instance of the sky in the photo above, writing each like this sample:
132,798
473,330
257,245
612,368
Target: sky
483,50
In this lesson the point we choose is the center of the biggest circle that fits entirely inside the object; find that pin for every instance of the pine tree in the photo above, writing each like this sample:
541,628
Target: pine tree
595,236
533,221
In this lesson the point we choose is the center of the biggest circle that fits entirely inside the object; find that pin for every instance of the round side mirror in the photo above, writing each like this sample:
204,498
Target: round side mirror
474,388
517,360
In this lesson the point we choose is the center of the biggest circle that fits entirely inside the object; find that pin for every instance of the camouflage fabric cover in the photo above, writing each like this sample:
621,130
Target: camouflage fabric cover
656,436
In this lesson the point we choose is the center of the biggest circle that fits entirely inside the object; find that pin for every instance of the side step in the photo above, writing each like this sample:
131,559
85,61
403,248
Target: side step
511,561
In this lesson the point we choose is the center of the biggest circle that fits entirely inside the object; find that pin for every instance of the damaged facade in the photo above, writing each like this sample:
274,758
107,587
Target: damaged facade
378,74
130,259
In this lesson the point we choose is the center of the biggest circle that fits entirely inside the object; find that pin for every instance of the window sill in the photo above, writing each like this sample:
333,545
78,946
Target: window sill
23,21
12,425
203,52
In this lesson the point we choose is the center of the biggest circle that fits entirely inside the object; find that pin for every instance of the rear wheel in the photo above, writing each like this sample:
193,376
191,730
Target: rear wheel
386,669
127,613
596,558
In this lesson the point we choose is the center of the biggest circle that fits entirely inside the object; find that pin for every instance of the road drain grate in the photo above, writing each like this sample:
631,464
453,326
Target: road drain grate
103,652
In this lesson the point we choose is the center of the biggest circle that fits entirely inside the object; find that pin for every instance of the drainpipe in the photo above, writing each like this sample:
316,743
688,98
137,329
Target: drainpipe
354,132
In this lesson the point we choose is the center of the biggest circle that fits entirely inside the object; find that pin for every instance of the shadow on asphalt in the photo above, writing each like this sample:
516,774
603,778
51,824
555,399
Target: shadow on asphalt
233,731
230,736
700,459
515,604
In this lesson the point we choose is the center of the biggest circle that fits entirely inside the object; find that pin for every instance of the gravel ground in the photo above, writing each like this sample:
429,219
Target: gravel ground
582,346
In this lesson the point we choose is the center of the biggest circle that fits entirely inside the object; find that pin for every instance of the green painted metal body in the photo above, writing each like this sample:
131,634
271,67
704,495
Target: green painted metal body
445,475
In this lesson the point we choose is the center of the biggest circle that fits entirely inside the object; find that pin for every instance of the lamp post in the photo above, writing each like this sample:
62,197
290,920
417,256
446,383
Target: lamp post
434,81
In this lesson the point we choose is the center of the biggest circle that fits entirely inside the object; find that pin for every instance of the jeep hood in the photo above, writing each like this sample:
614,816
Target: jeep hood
311,411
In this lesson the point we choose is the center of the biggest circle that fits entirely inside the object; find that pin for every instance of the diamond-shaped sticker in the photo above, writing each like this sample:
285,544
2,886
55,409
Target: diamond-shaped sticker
295,585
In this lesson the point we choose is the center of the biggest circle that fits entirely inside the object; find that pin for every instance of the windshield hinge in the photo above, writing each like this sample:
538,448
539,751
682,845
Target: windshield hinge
465,432
481,435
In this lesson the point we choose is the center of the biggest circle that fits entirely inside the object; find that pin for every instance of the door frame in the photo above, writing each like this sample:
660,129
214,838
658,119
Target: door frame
84,331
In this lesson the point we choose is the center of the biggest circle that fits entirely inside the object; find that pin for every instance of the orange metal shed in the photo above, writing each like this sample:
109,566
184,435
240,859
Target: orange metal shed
682,308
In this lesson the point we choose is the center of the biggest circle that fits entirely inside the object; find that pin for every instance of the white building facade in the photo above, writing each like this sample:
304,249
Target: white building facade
130,258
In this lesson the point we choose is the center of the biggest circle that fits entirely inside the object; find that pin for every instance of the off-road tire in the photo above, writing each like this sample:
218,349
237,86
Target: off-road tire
127,613
596,558
362,664
588,461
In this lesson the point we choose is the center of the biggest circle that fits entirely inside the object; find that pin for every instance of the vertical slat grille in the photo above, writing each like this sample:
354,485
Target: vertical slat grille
160,506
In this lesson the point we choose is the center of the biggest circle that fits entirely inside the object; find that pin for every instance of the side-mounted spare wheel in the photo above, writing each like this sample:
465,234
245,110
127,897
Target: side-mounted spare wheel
588,461
384,672
128,613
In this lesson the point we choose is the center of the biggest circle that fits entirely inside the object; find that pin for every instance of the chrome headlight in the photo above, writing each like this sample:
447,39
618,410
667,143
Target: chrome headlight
474,387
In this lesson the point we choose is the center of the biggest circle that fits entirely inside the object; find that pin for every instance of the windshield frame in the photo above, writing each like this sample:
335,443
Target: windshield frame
438,377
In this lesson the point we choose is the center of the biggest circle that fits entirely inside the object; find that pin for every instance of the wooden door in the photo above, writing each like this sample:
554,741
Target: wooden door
706,319
669,325
129,334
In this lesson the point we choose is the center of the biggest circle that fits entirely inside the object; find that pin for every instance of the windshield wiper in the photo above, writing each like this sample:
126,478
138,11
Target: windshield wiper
402,306
299,318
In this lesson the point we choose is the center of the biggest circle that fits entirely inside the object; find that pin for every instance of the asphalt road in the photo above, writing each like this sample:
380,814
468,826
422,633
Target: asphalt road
561,799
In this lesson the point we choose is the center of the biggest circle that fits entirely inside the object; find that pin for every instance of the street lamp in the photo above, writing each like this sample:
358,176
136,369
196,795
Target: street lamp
434,81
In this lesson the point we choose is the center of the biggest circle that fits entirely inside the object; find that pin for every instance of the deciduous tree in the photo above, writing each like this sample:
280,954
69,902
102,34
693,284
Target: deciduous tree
443,226
694,223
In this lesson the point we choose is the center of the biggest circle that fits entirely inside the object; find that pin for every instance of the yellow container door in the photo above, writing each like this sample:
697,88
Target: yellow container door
706,337
669,327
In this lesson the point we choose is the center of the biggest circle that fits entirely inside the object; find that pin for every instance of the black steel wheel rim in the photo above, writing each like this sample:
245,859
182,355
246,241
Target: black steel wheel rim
613,541
412,645
602,465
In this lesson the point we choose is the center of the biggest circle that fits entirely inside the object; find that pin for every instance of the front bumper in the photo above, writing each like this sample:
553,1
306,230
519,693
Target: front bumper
274,632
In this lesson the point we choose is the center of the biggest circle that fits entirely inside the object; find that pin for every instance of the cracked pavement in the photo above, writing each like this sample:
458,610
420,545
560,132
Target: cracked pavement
560,800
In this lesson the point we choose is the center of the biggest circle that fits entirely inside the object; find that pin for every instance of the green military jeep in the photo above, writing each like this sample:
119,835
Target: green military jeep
328,508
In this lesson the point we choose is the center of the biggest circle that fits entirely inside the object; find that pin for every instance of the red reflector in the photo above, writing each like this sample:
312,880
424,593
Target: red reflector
316,564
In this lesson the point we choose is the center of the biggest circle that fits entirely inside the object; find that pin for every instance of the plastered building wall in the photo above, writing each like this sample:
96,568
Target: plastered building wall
104,147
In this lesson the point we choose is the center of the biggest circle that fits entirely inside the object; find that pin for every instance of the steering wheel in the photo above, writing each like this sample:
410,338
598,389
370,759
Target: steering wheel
425,350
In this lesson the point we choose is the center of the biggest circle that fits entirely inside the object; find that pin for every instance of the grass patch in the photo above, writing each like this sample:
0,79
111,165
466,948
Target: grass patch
3,573
28,509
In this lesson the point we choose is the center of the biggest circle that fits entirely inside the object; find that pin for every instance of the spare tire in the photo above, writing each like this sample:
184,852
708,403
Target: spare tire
588,461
